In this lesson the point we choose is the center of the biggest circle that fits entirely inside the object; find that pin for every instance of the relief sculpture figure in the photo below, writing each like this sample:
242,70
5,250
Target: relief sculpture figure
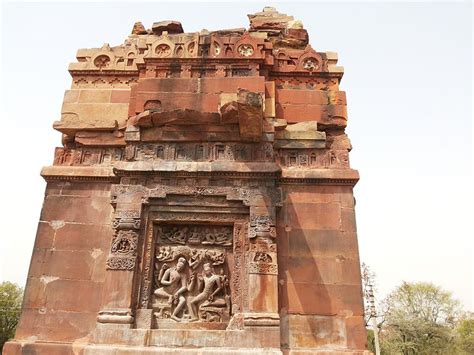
191,283
175,285
210,284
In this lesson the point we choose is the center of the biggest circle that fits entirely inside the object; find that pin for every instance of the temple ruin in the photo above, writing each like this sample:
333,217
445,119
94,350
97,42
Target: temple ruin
201,202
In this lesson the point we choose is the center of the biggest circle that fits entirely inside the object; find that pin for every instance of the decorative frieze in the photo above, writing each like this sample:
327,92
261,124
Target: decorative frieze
313,158
195,235
88,156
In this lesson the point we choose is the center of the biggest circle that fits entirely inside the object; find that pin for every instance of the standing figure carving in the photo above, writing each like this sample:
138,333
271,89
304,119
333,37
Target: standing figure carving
175,285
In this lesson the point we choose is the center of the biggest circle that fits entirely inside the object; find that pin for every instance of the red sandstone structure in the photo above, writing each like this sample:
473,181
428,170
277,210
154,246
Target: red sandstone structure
201,203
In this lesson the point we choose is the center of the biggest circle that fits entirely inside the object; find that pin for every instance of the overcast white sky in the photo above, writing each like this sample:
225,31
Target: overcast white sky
408,78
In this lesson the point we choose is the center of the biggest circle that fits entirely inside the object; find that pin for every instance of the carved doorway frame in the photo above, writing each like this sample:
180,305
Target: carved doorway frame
134,206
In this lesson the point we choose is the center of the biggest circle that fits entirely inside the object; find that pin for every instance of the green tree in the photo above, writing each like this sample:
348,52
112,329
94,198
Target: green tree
465,331
10,306
419,318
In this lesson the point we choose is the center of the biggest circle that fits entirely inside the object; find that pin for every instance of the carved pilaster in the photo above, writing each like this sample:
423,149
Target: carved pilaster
262,269
122,259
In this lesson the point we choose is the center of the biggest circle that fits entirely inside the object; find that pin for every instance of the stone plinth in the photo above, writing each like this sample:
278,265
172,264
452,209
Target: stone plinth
201,201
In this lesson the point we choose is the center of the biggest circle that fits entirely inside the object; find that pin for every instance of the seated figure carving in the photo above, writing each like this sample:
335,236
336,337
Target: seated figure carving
209,285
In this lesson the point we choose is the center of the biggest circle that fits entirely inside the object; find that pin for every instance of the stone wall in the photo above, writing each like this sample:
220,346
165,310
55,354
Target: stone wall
66,276
319,269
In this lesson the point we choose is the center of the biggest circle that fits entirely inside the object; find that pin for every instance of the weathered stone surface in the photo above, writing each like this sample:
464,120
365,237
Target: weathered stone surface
201,202
96,138
179,116
138,29
326,115
292,38
247,112
269,19
91,116
172,27
298,142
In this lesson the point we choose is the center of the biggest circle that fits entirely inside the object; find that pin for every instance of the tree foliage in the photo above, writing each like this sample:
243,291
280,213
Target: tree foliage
465,331
419,318
10,307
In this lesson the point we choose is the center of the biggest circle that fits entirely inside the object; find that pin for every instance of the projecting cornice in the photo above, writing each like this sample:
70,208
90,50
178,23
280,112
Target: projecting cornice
234,170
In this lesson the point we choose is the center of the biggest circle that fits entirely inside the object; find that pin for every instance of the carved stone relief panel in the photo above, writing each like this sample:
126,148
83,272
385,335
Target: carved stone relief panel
151,243
123,251
262,226
191,273
195,235
263,257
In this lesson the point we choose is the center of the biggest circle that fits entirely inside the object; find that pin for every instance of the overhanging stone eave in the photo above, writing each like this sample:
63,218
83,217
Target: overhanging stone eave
237,169
319,74
79,173
104,72
319,176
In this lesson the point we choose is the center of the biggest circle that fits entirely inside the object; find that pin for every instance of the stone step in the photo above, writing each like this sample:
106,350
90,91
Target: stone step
115,350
